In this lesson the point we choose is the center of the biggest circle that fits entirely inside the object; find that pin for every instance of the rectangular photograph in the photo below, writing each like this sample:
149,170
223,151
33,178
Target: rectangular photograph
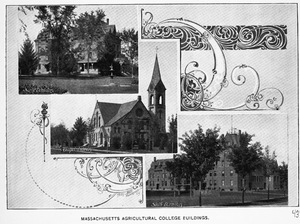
78,49
224,160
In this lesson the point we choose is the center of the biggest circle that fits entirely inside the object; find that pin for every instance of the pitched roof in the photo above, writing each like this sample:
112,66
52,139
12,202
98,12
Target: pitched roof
108,110
122,111
156,77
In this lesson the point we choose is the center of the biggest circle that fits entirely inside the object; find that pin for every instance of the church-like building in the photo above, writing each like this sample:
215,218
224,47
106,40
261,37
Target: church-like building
131,125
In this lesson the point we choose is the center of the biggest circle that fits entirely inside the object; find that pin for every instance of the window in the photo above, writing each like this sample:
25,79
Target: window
231,172
223,173
231,182
215,173
223,182
151,100
210,174
160,100
99,121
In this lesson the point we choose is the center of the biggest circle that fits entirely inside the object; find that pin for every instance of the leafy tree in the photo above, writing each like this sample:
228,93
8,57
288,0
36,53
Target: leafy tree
89,29
180,169
59,134
283,174
107,52
269,166
172,146
58,22
130,41
245,158
201,151
28,60
90,129
79,131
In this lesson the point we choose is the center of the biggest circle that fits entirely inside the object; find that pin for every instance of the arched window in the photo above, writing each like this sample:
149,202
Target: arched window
160,100
99,121
151,100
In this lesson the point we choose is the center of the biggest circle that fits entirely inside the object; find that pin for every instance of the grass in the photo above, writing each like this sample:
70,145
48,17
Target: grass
222,199
86,85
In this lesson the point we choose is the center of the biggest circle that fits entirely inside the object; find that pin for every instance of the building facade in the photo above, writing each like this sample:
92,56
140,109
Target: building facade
130,124
84,55
222,177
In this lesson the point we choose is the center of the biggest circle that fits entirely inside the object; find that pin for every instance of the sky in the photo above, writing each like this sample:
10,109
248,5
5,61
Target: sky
269,129
112,13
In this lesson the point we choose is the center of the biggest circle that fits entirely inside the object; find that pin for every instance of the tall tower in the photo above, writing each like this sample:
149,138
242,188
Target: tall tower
157,97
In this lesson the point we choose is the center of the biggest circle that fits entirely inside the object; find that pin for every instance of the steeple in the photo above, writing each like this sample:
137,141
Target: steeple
156,77
156,96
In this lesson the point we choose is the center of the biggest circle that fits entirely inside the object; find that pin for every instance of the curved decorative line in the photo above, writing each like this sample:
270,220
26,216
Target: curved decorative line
220,69
44,192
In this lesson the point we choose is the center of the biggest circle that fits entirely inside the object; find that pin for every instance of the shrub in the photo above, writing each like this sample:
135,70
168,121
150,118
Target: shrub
44,89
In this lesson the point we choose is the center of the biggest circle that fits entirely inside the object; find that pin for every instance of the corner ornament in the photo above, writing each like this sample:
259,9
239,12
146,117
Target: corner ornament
41,119
200,90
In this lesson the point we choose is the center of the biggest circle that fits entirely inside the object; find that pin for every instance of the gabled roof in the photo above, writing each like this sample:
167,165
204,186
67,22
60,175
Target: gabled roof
123,110
156,77
108,110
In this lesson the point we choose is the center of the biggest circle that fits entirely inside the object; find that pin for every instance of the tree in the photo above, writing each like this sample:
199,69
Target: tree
58,22
90,129
89,29
269,166
107,52
179,169
283,174
201,152
79,131
130,42
172,146
28,60
245,158
59,134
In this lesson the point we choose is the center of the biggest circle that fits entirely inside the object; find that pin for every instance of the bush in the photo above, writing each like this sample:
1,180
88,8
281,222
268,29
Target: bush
44,89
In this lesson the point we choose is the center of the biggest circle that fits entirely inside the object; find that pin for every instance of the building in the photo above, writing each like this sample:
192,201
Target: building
131,124
222,177
44,39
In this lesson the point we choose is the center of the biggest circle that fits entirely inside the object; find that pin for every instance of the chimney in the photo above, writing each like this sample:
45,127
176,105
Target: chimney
107,21
154,159
139,98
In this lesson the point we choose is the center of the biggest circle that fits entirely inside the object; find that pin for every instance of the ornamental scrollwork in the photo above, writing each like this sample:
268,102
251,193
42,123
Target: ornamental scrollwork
200,90
122,176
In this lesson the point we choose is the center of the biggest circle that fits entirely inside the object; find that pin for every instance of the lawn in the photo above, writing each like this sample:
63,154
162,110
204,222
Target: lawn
84,85
216,199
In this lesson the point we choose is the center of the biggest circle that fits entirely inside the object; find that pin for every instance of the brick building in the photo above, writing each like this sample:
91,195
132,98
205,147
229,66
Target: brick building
222,177
115,123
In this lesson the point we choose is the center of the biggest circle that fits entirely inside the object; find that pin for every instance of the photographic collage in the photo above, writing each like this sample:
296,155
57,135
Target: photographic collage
152,106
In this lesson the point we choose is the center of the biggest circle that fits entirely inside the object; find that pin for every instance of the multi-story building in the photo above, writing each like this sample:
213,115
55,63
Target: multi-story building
85,55
222,177
113,122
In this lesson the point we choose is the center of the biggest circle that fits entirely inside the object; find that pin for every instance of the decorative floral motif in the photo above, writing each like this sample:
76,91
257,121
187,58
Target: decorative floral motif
198,89
122,176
